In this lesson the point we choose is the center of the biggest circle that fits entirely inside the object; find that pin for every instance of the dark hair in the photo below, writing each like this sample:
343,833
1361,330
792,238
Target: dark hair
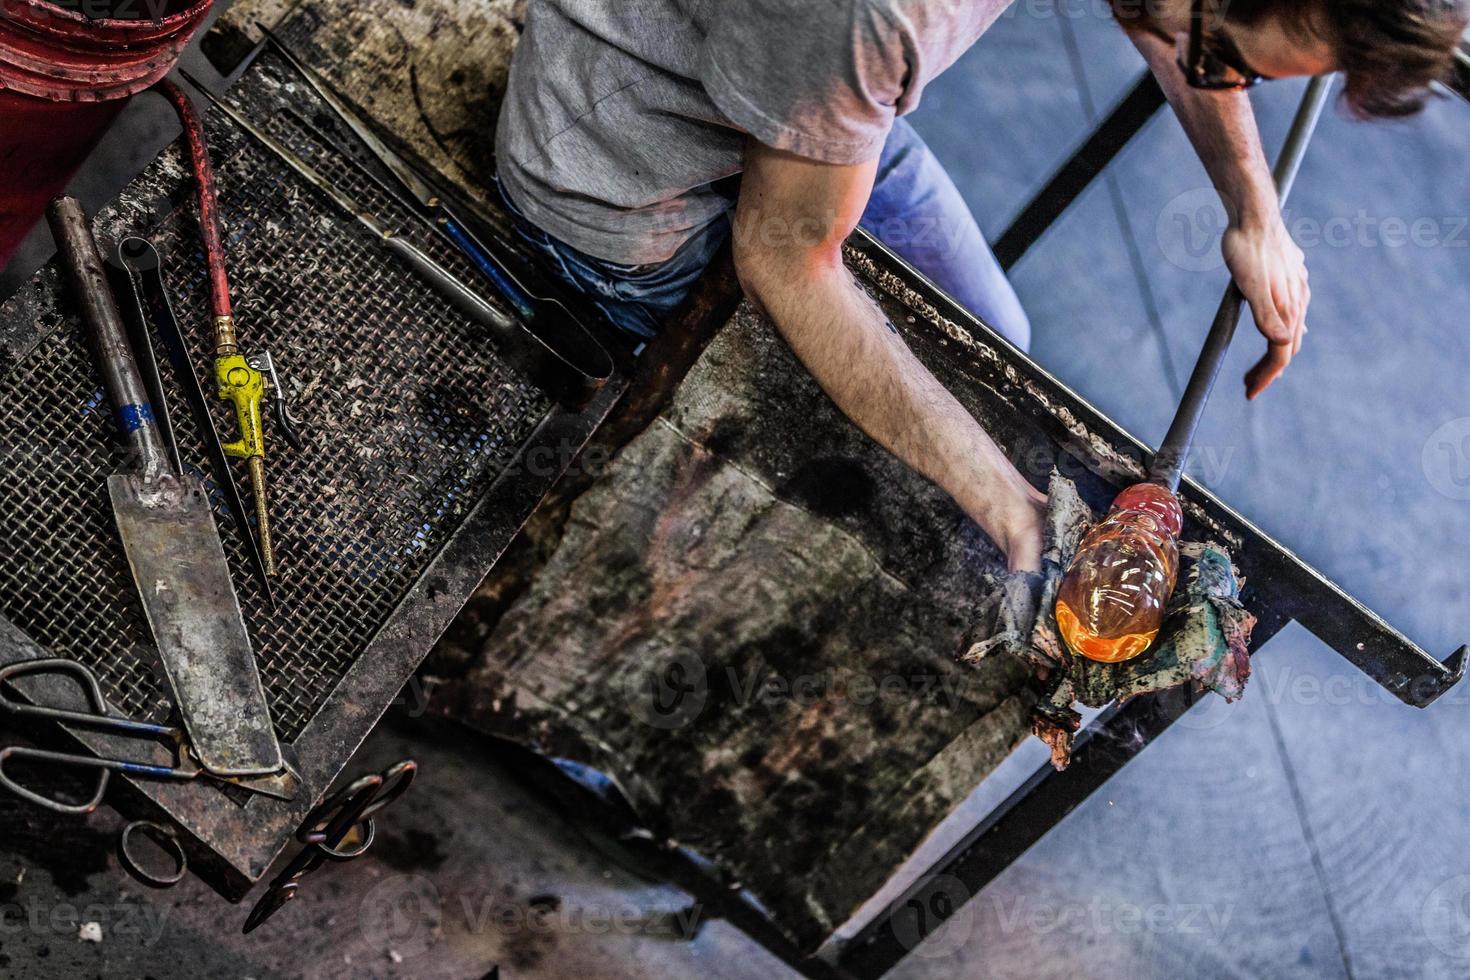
1388,50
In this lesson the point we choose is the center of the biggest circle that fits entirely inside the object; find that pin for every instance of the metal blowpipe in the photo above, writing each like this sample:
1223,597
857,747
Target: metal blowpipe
1113,597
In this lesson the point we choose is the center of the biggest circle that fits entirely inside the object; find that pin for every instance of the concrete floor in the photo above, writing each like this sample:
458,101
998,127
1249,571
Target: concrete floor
1316,829
469,871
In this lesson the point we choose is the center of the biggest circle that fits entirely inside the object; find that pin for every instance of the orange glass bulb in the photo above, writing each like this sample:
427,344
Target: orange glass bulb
1114,593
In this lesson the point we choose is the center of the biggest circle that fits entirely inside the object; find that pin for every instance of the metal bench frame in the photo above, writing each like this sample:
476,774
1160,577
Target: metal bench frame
1282,588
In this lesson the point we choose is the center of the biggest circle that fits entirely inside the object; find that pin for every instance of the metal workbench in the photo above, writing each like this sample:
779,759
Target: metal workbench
333,665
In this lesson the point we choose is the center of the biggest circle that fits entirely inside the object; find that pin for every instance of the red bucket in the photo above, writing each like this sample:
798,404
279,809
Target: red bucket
64,77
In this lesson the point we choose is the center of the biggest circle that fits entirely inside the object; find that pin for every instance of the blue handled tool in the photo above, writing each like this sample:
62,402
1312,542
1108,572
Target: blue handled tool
540,313
542,339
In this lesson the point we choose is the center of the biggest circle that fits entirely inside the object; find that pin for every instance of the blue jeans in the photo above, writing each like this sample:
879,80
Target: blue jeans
915,209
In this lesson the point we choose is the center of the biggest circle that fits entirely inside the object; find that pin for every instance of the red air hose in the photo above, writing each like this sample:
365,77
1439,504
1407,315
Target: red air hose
214,251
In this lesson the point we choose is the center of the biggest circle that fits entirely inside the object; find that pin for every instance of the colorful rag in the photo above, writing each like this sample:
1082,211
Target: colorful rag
1204,641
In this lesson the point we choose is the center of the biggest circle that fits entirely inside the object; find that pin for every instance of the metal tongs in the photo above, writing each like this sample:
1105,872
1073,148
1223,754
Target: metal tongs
340,828
139,285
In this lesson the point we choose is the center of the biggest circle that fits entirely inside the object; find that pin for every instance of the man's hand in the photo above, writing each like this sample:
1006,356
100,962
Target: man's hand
1266,264
1271,272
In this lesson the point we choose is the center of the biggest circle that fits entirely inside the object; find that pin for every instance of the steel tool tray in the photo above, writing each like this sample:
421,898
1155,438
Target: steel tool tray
408,488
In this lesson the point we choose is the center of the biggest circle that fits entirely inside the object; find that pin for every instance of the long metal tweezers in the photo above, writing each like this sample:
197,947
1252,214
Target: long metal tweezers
140,261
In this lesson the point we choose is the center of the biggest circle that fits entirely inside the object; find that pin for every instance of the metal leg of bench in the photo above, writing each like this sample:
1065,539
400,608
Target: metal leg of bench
1042,802
1106,142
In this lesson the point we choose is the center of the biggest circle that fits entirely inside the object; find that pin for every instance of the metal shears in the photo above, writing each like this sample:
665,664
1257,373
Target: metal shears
100,717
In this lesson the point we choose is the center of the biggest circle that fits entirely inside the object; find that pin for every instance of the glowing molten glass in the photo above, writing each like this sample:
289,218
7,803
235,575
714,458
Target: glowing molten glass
1112,600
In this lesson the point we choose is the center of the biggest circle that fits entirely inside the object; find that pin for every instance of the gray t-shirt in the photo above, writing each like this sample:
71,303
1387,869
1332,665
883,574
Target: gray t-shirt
622,114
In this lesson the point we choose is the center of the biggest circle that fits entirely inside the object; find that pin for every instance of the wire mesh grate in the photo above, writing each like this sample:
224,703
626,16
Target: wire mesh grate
406,413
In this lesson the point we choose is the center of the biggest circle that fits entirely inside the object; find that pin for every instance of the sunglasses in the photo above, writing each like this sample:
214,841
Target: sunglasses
1212,61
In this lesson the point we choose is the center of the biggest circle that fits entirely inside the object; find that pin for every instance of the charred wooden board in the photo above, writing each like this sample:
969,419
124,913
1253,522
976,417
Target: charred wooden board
750,618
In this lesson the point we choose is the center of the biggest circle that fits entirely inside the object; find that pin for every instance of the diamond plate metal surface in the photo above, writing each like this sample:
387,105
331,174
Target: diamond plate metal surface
406,412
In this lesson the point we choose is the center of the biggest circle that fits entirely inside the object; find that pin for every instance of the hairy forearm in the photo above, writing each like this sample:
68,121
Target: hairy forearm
858,358
1222,128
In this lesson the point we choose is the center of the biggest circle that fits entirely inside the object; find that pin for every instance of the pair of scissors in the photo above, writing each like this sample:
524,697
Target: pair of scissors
99,717
340,828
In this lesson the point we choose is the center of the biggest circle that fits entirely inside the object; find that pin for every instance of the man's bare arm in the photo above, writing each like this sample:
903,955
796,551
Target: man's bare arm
1267,264
792,218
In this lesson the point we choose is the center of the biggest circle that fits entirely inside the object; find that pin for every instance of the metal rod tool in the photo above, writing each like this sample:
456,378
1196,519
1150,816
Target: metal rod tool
1115,592
143,275
172,544
1167,467
142,344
